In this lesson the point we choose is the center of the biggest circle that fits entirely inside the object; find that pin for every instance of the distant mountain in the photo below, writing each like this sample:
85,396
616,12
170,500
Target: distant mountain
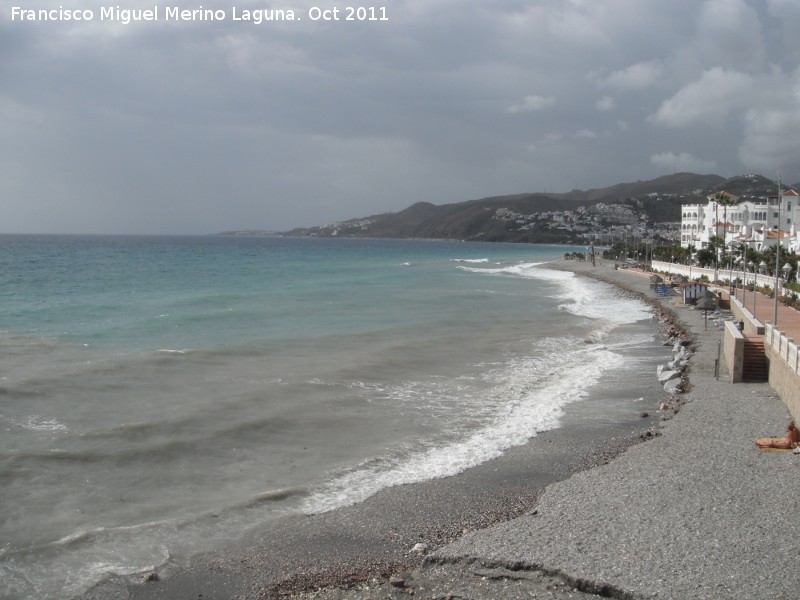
549,218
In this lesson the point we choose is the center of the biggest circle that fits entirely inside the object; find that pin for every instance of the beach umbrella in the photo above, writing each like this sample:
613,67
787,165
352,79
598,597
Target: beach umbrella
706,303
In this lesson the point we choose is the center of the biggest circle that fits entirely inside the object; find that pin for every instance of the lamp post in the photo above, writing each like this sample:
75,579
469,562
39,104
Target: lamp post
743,260
731,284
777,254
716,241
744,279
752,265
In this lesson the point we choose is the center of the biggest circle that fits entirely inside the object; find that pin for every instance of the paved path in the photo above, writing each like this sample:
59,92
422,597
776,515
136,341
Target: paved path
788,318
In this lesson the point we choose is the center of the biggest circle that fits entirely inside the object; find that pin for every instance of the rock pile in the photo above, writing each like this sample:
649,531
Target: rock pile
673,377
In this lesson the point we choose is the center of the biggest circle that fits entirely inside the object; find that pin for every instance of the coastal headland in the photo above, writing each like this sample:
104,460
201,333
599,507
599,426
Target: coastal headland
585,511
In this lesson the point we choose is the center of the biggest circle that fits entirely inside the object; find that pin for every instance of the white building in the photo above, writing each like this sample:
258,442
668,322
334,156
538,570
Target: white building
754,222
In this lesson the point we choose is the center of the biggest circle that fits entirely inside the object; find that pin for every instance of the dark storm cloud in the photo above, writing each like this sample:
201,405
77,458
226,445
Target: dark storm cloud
195,127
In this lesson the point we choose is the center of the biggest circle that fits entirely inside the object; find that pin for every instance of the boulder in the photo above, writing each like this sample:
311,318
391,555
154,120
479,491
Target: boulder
669,375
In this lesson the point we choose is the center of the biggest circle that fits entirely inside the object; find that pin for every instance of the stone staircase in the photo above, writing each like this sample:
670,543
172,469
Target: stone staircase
755,366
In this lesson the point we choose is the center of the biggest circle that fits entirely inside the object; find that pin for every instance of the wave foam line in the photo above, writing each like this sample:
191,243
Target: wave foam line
520,269
582,297
531,413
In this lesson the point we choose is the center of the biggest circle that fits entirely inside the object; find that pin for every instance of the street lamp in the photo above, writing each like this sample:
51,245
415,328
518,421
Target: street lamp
752,265
777,254
744,271
731,284
744,278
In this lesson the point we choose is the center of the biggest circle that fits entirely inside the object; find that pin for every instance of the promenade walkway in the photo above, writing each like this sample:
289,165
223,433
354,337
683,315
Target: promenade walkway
788,318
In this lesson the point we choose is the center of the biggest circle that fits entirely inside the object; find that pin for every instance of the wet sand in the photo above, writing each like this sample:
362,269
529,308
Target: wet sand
396,543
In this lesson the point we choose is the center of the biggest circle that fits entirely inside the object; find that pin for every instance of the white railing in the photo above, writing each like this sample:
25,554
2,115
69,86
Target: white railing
783,346
722,274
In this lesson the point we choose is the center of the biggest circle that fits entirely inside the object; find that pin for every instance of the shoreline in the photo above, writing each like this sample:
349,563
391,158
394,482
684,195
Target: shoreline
363,551
698,512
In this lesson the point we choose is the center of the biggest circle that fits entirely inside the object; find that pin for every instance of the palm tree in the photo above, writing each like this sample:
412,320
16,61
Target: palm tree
725,200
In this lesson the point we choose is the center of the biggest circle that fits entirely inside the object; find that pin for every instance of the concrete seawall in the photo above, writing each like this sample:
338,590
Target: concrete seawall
784,368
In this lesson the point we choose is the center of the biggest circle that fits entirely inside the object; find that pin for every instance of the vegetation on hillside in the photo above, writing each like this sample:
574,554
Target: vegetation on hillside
643,209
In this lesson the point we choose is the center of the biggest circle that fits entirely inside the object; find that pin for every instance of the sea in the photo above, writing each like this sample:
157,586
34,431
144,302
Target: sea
162,396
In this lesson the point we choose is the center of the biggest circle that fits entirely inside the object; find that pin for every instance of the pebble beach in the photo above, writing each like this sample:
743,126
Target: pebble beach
676,503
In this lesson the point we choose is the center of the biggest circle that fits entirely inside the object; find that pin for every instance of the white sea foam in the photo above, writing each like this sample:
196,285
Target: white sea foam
37,423
470,260
538,388
562,371
581,297
519,269
587,298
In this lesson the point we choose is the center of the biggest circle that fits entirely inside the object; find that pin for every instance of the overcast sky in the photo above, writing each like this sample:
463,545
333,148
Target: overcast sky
204,126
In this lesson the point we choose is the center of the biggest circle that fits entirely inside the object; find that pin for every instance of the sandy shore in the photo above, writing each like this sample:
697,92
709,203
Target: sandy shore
695,513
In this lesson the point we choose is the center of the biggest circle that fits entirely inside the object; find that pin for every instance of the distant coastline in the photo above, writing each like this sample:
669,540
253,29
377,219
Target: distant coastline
642,209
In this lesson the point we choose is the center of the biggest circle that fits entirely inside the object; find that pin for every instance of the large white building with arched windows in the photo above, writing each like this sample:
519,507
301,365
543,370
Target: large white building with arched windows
753,222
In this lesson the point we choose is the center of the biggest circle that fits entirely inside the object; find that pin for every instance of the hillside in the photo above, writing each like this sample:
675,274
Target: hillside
641,208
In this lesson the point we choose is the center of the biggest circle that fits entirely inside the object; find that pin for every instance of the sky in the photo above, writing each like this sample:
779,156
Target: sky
199,126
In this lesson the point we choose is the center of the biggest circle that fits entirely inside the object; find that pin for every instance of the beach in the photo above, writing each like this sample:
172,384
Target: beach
582,511
696,511
228,412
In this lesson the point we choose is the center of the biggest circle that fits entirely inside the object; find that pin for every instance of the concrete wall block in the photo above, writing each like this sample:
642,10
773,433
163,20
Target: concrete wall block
783,378
791,357
733,351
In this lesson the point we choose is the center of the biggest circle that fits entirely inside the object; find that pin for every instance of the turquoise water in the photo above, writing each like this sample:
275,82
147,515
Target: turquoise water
160,396
148,293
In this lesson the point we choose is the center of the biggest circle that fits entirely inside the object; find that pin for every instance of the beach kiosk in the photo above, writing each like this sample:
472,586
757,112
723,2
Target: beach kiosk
693,291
